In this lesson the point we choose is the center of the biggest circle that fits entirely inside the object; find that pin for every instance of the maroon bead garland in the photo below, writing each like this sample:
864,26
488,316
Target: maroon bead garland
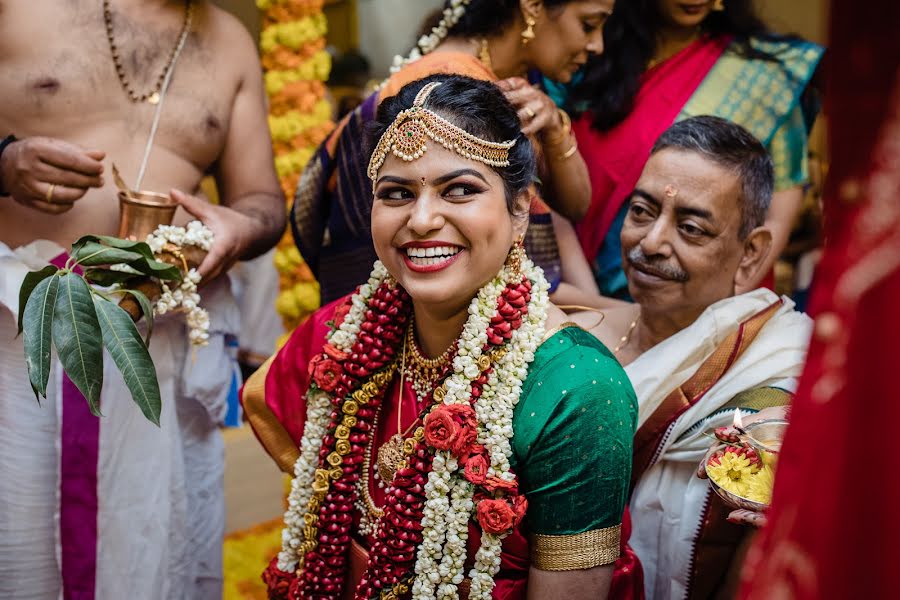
392,557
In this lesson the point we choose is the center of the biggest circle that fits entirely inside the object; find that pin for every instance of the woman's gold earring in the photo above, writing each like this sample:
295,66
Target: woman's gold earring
516,256
528,32
718,5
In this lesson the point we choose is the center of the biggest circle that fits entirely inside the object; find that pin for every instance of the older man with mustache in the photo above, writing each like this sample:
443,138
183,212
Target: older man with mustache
695,351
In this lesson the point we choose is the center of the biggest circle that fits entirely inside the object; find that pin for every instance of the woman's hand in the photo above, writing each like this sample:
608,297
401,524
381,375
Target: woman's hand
537,112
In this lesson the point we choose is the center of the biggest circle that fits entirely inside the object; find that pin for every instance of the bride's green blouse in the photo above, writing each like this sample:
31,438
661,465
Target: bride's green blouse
573,429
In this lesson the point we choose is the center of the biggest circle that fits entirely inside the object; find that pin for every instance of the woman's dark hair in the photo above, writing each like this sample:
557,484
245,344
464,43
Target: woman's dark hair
612,79
477,106
482,17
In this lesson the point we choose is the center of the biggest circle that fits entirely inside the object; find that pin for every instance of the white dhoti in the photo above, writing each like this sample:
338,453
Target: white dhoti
113,507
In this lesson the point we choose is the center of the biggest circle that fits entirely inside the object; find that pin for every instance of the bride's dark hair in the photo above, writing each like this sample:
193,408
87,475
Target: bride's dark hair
477,106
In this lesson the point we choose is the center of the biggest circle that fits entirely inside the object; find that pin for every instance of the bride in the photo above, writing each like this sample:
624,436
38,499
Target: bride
449,434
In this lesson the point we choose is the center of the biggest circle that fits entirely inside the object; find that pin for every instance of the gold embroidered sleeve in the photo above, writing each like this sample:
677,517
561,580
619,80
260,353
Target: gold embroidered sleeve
275,439
577,551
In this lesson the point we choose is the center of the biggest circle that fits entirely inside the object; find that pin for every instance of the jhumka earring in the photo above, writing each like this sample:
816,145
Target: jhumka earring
528,32
516,256
718,5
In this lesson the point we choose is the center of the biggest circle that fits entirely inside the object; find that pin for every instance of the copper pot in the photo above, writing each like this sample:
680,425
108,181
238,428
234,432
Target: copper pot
140,213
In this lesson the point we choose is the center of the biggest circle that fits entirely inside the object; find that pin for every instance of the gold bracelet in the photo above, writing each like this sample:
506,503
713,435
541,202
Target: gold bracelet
566,126
568,153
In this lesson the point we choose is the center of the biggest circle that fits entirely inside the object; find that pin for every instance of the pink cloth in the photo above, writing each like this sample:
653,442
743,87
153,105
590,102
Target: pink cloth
615,158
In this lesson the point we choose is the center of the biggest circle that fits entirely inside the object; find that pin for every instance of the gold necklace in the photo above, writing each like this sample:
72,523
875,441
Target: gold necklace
153,96
624,340
423,372
389,458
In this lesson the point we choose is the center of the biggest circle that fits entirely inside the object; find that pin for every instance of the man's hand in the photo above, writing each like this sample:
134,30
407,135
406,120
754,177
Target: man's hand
235,233
49,175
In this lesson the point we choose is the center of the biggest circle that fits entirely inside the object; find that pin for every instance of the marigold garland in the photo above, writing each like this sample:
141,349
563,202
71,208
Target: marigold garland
292,43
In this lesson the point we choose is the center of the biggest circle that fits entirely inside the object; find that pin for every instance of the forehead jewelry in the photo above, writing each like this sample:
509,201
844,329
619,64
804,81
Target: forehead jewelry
671,191
407,136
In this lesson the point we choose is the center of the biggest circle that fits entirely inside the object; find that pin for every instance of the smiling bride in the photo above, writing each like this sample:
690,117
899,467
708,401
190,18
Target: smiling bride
449,434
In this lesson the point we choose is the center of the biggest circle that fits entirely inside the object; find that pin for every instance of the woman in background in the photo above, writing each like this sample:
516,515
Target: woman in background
667,60
494,40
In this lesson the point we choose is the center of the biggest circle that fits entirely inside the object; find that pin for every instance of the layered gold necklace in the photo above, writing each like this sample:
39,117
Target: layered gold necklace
424,374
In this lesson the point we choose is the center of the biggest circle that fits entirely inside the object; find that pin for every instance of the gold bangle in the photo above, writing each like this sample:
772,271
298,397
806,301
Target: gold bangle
568,153
566,128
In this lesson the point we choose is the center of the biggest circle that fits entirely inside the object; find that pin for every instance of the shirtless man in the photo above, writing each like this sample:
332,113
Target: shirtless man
140,509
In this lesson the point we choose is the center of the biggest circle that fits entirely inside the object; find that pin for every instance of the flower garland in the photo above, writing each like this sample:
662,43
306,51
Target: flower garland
457,463
292,49
169,238
428,42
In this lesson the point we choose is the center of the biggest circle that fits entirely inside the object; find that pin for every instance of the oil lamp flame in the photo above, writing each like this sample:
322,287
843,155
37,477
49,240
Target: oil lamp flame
737,421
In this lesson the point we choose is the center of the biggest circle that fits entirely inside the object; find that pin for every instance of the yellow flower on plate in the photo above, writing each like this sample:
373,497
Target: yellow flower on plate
759,487
732,473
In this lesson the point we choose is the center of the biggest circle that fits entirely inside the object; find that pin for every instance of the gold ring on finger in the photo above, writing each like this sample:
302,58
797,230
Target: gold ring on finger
49,194
529,112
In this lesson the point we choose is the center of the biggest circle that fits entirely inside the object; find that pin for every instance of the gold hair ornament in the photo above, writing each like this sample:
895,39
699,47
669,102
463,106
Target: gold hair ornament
407,135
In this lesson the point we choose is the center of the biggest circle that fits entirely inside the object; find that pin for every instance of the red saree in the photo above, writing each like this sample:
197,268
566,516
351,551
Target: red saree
833,525
616,158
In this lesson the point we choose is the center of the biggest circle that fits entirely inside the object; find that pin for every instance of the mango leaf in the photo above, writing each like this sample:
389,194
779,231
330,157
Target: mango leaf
124,344
146,308
131,245
155,268
141,256
92,253
78,338
31,280
108,277
37,321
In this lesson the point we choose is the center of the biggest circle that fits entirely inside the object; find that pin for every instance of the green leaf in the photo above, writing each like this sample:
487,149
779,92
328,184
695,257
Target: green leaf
92,253
78,338
37,321
158,269
31,280
108,277
134,246
123,341
146,308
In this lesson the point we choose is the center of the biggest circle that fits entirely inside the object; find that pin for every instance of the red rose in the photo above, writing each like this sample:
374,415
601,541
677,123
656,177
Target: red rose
520,507
452,427
495,484
278,583
327,373
441,429
340,313
468,422
476,468
334,353
473,450
495,516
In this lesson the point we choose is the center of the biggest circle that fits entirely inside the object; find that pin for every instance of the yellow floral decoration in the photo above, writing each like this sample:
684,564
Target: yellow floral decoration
292,49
